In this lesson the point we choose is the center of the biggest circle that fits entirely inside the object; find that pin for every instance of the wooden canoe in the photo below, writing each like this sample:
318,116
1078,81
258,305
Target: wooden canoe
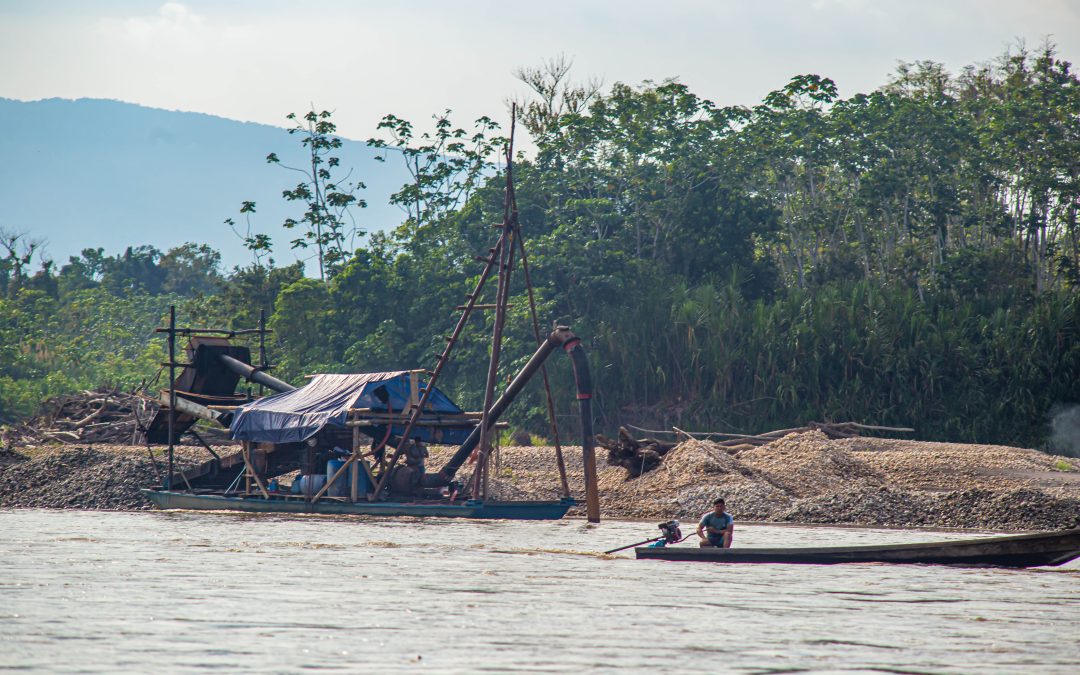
1025,550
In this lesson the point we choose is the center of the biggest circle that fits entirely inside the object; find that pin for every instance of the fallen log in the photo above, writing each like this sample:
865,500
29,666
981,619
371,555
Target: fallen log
637,456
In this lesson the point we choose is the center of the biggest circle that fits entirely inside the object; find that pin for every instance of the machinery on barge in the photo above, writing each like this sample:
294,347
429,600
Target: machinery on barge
359,441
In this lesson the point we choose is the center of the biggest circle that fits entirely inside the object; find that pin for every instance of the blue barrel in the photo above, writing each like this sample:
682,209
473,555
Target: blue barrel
342,486
363,483
316,483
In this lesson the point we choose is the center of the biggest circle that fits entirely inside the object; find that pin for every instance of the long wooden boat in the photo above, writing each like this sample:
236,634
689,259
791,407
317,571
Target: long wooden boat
537,510
1025,550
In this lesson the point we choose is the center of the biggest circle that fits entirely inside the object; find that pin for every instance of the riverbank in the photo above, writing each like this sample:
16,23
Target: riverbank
807,478
804,478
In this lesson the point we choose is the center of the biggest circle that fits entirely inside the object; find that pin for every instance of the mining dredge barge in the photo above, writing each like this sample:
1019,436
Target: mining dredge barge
344,433
359,441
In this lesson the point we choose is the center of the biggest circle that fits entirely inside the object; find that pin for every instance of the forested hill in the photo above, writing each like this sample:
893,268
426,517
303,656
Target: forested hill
91,173
906,257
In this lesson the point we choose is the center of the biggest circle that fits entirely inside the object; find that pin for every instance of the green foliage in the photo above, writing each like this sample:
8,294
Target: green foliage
328,199
908,256
90,338
446,166
260,244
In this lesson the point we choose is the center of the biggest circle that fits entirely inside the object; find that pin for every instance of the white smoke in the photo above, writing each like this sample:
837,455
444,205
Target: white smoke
1065,431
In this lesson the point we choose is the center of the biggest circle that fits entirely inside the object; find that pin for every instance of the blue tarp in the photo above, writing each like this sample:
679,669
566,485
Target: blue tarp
298,415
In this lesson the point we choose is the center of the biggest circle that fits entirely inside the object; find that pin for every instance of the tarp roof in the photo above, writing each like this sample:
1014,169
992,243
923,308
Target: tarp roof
297,415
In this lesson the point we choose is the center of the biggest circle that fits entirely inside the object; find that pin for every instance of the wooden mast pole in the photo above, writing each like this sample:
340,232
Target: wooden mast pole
172,392
502,294
444,357
262,346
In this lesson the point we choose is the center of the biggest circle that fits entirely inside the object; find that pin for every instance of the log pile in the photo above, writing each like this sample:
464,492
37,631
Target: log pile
639,456
98,416
832,430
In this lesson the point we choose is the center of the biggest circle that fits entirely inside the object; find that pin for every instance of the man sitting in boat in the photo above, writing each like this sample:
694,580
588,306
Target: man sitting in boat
716,527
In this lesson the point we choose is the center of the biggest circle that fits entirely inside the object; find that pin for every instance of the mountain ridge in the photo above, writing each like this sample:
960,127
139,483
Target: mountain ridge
88,173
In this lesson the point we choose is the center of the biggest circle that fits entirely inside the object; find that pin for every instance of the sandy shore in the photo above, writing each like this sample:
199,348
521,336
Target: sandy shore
802,478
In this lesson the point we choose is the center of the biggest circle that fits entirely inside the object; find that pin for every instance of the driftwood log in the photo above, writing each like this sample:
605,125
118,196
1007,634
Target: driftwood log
637,456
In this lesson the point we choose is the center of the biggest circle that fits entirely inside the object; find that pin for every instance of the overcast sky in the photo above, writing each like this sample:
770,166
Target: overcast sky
257,61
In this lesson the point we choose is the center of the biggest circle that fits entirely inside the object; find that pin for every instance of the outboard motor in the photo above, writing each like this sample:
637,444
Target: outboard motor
671,532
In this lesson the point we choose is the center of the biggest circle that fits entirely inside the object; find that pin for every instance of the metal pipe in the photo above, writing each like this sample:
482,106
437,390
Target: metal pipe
583,382
499,407
571,344
253,374
182,405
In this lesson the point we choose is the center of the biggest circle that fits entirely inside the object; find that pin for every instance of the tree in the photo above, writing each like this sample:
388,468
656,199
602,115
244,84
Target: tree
18,250
260,244
328,221
446,166
553,95
191,269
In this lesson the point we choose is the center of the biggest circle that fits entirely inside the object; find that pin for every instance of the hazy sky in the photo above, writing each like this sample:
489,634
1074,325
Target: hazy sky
257,61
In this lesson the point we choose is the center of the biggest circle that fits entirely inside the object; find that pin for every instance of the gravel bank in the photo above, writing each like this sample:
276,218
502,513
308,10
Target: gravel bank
804,478
807,478
95,477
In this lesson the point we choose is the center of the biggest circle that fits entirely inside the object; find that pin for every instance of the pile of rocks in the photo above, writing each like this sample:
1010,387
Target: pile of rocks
810,478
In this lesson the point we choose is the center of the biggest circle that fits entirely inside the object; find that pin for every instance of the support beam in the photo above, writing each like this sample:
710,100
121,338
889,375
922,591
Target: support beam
337,474
172,393
355,466
250,464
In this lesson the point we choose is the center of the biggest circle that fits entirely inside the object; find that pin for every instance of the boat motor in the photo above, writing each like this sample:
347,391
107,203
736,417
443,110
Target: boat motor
672,533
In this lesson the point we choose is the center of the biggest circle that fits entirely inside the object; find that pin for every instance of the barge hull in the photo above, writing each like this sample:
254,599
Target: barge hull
553,510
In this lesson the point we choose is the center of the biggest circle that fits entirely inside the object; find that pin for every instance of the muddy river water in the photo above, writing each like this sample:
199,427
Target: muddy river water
191,592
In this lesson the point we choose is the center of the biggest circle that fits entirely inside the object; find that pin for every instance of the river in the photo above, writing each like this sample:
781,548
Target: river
115,592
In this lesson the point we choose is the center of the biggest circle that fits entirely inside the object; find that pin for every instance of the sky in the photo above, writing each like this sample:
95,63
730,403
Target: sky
258,61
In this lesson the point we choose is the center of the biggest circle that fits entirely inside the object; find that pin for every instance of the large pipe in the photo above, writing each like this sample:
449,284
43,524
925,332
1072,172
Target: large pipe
571,344
252,374
192,408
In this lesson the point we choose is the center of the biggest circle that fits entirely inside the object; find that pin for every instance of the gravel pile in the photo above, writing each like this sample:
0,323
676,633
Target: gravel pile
809,464
809,478
747,500
1023,509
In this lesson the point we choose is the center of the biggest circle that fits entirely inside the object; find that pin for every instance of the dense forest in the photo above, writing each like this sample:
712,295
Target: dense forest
910,256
